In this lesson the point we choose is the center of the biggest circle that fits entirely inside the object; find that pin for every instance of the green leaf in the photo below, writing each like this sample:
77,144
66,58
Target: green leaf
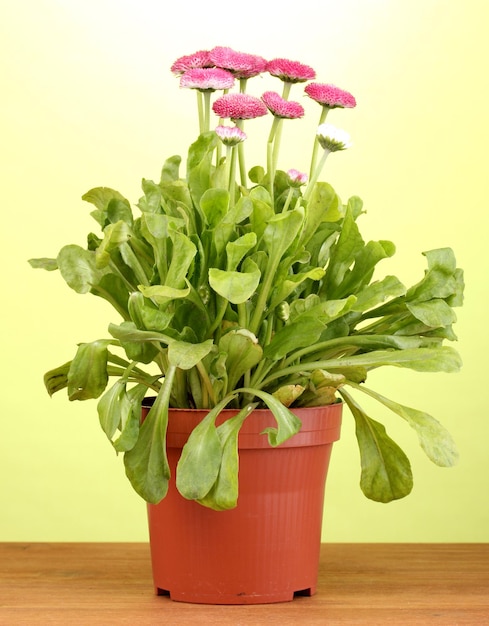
143,352
377,293
214,204
161,294
323,206
113,289
170,170
257,174
119,210
182,256
434,313
288,394
308,320
57,378
281,232
137,345
146,315
262,210
385,469
199,463
113,408
44,263
177,203
288,424
127,332
326,310
434,438
87,376
457,297
242,353
146,463
199,165
150,203
78,268
101,198
224,232
293,336
223,495
283,290
130,422
236,250
185,355
355,205
343,253
439,280
114,236
365,261
443,258
237,287
439,359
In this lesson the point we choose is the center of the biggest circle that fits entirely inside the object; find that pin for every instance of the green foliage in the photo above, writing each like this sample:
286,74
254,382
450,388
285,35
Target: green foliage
229,296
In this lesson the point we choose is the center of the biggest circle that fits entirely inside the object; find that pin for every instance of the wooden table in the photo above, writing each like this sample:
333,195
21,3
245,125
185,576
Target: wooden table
368,584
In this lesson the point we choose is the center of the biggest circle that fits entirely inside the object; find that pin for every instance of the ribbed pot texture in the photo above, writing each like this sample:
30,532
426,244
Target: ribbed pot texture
267,548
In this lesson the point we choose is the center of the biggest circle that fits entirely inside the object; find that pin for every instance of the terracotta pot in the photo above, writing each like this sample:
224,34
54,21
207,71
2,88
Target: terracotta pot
267,548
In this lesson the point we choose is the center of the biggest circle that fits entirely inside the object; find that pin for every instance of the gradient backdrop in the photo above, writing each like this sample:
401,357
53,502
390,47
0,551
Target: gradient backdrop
87,99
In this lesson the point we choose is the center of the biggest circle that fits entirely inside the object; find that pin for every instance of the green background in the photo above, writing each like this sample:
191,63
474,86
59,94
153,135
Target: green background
88,99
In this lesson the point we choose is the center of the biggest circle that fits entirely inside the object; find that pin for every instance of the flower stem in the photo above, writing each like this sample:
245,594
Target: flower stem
263,295
276,143
207,110
270,155
286,90
241,156
207,389
322,119
289,198
223,305
230,175
316,174
242,315
200,109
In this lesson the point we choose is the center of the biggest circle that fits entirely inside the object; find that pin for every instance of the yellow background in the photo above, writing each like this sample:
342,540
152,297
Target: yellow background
87,99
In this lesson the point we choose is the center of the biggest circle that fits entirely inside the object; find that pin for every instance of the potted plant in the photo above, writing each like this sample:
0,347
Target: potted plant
246,299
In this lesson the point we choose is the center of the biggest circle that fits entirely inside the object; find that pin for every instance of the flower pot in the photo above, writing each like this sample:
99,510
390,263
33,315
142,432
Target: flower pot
267,548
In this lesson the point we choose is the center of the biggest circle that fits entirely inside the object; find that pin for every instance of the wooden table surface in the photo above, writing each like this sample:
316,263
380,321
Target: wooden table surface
368,584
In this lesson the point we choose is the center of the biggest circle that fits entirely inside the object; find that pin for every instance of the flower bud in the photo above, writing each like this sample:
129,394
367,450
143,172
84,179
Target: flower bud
332,138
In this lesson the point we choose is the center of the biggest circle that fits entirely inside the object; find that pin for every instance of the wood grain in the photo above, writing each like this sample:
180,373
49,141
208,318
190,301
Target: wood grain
359,584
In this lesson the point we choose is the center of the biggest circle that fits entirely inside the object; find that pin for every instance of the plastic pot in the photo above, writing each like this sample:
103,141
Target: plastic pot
267,548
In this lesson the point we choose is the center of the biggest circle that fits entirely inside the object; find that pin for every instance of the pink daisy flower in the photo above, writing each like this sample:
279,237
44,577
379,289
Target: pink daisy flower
280,107
207,79
230,135
290,71
239,106
190,61
330,96
241,64
296,178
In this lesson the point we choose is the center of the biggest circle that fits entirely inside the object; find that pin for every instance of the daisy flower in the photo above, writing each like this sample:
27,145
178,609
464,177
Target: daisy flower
280,107
239,106
230,135
290,71
241,64
296,178
332,138
190,61
330,96
207,79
